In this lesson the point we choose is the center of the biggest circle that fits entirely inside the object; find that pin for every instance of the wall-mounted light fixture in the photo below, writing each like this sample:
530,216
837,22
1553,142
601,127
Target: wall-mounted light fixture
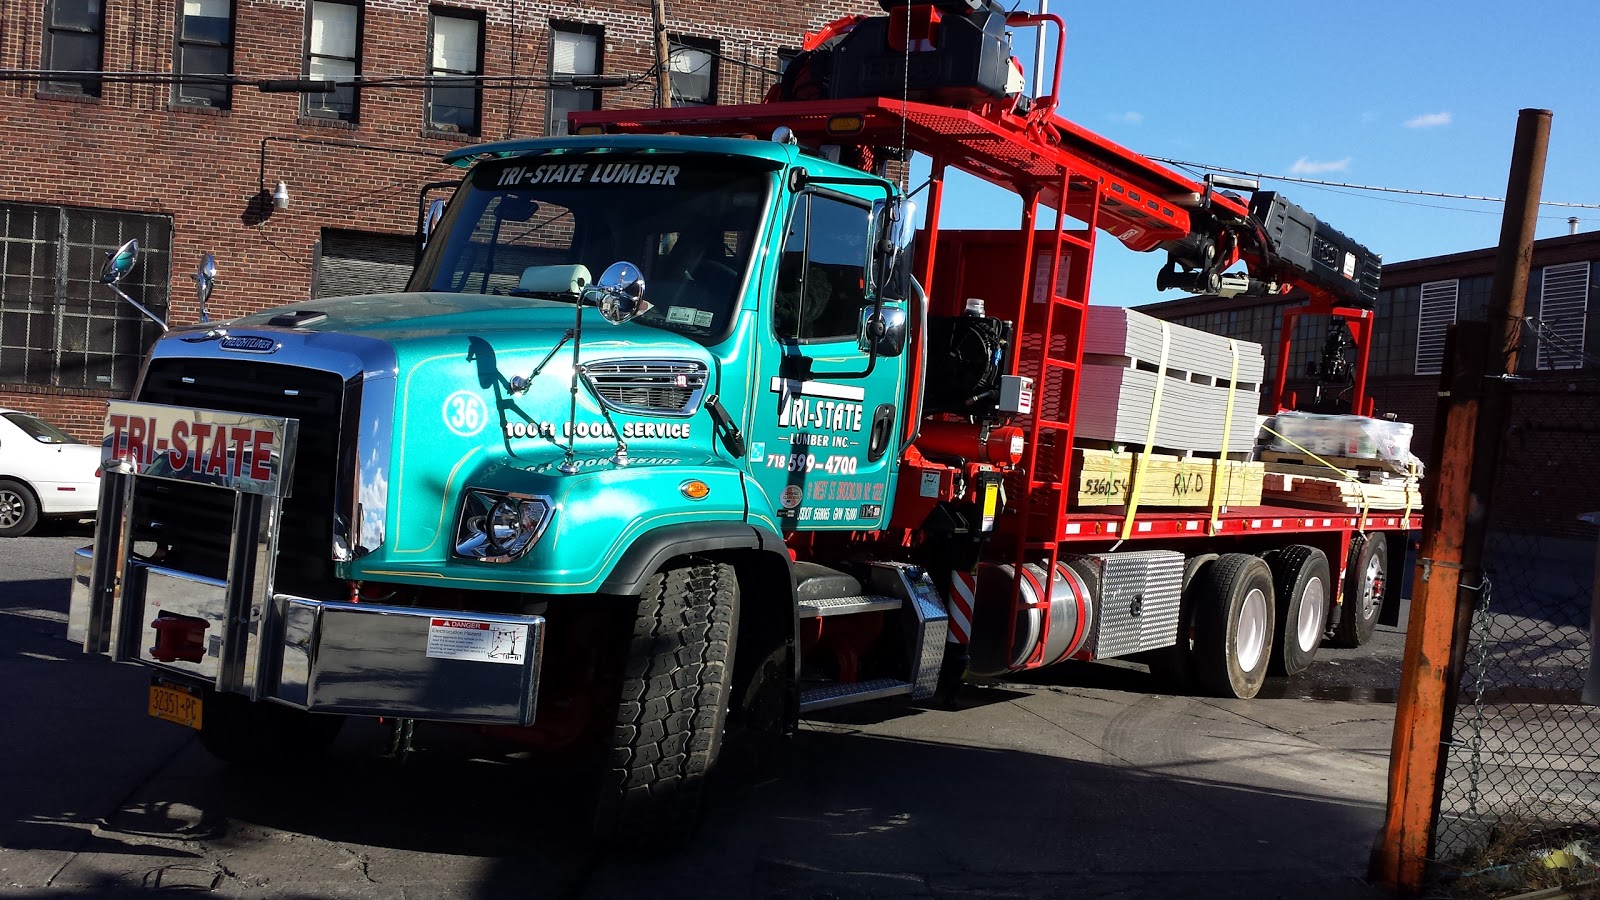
280,196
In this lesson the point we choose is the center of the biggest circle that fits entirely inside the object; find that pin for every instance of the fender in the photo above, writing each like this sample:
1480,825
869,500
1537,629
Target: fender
645,556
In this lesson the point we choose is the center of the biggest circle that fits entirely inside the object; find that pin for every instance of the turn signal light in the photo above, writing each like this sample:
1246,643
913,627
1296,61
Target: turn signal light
586,130
695,489
845,124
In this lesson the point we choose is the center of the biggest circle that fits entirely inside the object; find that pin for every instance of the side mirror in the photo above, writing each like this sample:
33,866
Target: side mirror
882,330
204,280
619,293
430,220
120,262
893,228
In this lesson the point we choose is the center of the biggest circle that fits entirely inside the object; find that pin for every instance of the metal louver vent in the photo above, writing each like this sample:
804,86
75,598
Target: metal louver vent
1437,314
656,387
1563,307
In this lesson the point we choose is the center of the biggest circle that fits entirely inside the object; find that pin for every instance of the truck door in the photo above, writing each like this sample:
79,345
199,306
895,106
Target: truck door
823,439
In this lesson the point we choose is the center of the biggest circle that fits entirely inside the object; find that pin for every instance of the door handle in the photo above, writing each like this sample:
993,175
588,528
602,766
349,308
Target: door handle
882,431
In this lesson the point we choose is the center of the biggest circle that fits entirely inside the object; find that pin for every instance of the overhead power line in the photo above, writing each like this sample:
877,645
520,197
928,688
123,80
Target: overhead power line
1361,187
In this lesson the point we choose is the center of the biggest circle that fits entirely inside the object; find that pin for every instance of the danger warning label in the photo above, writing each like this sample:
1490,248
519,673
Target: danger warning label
477,641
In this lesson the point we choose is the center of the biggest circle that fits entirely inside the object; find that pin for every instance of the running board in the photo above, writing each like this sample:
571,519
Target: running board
858,692
844,606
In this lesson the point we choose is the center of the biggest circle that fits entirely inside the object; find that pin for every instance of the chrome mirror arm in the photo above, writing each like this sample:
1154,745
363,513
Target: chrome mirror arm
140,307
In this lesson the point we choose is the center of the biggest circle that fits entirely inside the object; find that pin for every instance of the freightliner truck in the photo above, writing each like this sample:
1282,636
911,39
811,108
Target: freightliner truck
690,419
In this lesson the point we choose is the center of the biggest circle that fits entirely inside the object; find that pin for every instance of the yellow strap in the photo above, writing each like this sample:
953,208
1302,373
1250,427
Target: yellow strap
1227,428
1149,433
1361,488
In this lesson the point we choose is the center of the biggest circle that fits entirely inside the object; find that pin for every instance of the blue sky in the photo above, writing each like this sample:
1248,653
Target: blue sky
1399,94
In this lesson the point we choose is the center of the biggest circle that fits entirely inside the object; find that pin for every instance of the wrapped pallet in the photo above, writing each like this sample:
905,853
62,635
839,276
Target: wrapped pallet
1127,354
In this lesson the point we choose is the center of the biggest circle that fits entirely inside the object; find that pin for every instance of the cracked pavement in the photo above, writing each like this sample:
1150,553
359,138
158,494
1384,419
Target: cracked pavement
1082,781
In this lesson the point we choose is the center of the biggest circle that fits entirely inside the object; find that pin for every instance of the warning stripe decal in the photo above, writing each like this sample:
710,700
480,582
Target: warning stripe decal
961,602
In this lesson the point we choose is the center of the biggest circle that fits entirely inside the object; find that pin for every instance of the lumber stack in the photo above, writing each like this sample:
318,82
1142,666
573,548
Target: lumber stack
1106,478
1320,487
1122,367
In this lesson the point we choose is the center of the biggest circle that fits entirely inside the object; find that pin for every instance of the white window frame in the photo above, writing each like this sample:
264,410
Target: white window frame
1563,315
557,124
1436,312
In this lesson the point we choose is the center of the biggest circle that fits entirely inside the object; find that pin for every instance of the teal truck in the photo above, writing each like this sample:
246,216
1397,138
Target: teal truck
689,420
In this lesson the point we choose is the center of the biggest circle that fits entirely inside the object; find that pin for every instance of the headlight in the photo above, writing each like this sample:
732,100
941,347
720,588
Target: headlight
499,527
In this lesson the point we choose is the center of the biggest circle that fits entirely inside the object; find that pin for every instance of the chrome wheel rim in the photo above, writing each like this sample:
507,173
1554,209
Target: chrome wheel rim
1370,591
1313,604
11,508
1250,639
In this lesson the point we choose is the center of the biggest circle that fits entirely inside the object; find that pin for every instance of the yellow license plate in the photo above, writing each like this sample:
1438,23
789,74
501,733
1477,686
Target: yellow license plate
175,704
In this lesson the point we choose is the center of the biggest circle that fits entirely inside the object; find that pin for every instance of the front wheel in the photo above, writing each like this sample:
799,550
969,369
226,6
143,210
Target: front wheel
674,704
1233,625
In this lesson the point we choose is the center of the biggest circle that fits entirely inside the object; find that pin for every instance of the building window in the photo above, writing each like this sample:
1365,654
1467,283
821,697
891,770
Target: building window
1437,314
333,53
693,64
59,327
73,41
1563,307
358,262
455,59
574,50
205,47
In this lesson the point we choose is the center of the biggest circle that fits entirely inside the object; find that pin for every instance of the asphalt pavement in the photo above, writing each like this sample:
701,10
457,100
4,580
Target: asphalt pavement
1085,781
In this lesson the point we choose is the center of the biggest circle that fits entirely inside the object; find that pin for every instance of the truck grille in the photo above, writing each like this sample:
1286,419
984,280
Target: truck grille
668,387
195,522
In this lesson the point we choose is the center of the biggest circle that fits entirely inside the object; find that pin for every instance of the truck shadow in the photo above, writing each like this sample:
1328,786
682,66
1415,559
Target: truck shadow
826,813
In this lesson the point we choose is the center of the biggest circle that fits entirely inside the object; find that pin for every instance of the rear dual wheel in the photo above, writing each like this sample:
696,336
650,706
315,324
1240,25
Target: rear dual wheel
1300,575
1364,585
1234,620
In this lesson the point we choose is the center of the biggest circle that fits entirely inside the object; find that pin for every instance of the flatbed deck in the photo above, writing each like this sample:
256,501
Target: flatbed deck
1241,520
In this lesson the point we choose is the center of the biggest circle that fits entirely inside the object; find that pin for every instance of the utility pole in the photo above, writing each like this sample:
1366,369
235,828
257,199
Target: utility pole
658,15
1474,408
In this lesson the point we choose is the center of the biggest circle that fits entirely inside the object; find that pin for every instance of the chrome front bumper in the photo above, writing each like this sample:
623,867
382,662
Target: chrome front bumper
327,656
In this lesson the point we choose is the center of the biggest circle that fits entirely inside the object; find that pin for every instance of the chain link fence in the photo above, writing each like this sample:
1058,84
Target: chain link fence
1520,801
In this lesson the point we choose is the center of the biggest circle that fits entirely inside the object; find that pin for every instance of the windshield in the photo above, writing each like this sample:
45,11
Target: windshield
687,221
40,430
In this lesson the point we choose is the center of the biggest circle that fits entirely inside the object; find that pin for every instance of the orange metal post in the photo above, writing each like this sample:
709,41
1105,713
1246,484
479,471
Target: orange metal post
1400,859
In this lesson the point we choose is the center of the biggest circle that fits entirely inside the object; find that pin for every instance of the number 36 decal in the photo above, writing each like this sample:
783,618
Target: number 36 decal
464,413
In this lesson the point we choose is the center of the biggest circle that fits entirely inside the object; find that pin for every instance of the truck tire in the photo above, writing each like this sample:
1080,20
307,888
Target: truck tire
1233,624
669,723
263,735
19,511
1173,666
1364,586
1301,580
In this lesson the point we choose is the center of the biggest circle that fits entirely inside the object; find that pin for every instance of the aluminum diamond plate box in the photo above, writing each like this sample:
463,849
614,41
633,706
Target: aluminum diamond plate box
1135,598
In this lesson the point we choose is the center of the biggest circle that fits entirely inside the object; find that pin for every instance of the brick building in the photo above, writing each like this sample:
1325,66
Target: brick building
190,168
1556,411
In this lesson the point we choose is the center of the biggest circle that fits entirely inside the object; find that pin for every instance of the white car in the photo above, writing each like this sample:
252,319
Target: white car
43,472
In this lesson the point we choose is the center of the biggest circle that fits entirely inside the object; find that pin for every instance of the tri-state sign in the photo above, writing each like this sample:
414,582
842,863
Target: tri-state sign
243,452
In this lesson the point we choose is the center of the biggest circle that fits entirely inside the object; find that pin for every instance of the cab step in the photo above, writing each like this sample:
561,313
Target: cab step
845,606
827,695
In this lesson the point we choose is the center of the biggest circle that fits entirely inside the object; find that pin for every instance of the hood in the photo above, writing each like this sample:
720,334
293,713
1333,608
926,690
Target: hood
396,317
483,388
